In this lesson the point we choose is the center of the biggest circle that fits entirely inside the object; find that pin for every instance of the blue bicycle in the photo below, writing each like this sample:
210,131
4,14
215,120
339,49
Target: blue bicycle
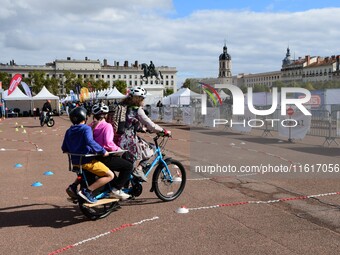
169,176
168,182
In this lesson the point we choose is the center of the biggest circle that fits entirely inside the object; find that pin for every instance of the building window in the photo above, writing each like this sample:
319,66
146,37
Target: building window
108,76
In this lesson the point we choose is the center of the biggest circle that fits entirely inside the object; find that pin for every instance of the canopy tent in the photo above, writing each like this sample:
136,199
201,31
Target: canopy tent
181,97
42,96
17,100
151,100
17,95
114,94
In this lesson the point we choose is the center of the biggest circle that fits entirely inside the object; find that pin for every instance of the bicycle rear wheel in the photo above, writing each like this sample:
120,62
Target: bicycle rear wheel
98,211
169,185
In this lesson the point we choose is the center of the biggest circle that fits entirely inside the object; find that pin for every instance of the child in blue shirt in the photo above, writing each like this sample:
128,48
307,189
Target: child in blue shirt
79,140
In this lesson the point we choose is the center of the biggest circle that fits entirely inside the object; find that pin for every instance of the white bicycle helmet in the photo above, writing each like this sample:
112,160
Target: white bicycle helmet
138,91
100,108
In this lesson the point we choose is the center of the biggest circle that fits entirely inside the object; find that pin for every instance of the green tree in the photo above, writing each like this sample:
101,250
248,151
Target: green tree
70,81
260,88
37,80
309,86
52,84
101,84
5,79
121,86
244,89
168,92
186,83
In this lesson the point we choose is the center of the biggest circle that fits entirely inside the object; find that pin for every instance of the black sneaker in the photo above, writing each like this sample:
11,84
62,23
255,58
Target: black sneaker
87,195
72,191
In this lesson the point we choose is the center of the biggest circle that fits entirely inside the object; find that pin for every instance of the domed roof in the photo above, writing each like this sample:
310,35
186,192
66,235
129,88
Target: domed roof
225,55
287,60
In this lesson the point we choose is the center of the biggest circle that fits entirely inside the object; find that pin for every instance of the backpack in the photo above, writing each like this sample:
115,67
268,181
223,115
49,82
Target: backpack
117,118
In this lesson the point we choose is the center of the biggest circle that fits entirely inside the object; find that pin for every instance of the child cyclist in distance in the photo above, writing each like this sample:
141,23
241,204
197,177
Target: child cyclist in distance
79,140
103,135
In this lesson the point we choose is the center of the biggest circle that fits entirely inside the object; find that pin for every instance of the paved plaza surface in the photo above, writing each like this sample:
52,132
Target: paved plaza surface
229,213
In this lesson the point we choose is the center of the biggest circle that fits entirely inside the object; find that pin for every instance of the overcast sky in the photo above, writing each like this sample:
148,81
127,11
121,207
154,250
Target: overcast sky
188,35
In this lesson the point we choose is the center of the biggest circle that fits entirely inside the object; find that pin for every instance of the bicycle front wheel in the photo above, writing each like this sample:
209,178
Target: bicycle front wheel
169,185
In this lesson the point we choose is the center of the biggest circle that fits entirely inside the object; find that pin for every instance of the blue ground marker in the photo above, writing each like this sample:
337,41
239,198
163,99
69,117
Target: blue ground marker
48,173
18,165
36,184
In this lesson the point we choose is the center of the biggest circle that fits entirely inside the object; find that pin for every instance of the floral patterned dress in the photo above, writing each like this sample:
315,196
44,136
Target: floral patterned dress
135,119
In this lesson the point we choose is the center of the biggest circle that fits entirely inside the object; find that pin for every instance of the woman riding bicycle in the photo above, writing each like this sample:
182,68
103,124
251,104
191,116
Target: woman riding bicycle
135,119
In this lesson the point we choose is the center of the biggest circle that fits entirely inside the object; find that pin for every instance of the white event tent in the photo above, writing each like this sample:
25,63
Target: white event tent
111,94
181,97
42,96
17,99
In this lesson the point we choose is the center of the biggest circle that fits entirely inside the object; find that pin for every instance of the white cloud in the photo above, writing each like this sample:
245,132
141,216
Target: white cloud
143,30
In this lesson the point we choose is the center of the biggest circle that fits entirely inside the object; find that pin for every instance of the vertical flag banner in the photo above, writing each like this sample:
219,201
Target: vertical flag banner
14,83
0,85
26,89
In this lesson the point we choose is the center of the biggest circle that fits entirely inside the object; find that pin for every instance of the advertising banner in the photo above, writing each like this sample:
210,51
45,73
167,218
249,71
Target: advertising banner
14,83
